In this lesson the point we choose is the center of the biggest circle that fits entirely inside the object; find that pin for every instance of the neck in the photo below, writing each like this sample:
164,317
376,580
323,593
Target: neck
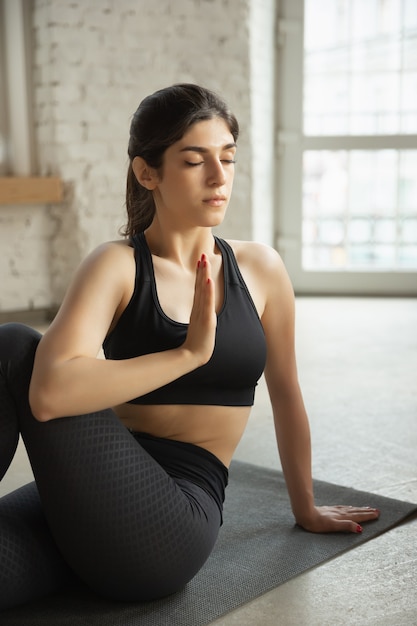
182,247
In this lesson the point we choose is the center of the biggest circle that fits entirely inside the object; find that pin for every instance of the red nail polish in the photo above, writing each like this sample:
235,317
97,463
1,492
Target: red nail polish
359,529
198,264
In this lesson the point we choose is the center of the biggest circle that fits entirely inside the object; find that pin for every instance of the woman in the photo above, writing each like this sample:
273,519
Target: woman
130,454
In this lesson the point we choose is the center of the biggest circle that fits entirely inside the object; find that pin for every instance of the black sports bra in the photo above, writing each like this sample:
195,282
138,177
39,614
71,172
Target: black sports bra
230,376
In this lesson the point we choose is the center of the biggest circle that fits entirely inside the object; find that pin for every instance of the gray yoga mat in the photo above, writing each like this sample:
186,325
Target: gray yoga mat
259,548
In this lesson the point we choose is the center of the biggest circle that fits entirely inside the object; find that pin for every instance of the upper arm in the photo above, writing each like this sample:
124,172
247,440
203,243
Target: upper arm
94,297
272,292
278,320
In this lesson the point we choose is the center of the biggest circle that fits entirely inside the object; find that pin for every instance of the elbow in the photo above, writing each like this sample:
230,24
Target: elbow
41,405
41,412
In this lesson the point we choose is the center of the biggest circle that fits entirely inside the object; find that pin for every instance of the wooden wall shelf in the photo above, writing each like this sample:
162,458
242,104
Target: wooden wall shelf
30,190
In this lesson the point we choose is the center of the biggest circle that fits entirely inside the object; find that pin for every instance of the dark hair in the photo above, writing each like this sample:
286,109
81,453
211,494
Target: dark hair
160,120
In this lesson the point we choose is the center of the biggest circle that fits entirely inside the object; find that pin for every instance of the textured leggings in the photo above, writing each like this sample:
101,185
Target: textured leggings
101,509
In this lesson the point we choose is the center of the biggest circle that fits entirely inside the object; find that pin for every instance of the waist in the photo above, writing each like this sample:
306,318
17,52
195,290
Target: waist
187,461
217,429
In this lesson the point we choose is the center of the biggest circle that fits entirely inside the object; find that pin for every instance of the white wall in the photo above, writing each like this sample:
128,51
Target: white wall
93,63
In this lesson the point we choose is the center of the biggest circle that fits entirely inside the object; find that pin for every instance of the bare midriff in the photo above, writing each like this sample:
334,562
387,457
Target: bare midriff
218,429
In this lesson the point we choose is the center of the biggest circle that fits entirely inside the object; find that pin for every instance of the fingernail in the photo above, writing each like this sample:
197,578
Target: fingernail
198,264
359,529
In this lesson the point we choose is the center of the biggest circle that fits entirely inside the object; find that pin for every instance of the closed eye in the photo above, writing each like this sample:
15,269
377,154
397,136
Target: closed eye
192,164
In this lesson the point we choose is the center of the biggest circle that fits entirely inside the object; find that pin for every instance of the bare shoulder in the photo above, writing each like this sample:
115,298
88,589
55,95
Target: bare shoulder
119,251
264,273
261,257
111,262
99,288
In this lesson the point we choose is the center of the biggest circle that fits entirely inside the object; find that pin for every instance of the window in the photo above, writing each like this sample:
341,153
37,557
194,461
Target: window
353,141
18,181
16,140
360,67
360,79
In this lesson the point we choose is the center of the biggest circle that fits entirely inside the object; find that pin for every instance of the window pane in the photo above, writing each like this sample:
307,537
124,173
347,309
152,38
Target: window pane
359,231
409,231
407,183
360,66
360,209
410,14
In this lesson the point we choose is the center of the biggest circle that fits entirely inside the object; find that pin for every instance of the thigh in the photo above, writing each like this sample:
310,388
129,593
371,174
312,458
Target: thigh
9,430
30,563
121,522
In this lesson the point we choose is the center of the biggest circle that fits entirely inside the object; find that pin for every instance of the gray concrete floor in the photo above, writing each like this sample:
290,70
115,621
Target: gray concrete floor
357,362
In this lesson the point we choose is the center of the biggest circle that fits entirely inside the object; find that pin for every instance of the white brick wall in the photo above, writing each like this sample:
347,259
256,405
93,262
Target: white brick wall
94,60
25,232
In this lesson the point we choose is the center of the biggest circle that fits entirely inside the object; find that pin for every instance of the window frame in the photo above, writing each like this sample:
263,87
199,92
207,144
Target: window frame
18,182
291,144
17,101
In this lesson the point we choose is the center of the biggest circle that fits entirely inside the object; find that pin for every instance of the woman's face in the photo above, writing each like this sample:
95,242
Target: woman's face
196,181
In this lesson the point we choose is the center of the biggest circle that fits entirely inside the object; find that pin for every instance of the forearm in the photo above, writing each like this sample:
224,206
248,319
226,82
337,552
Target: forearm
85,384
294,444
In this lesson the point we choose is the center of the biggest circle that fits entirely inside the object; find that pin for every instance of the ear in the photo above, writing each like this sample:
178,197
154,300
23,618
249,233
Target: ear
146,176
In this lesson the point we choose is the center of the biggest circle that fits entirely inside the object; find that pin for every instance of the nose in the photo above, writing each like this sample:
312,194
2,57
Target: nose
216,176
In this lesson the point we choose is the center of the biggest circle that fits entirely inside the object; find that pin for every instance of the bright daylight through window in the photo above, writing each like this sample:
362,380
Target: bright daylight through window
360,129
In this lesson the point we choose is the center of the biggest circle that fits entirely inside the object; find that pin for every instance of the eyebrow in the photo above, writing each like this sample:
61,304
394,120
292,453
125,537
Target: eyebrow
202,150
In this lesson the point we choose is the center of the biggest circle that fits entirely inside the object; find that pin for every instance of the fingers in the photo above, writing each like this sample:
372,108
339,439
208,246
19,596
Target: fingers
203,267
347,526
201,332
341,518
357,514
204,287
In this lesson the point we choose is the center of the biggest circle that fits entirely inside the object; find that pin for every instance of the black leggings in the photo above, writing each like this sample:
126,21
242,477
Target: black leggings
102,509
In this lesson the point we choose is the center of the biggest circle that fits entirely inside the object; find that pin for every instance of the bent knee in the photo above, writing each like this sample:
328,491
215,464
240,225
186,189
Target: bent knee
18,341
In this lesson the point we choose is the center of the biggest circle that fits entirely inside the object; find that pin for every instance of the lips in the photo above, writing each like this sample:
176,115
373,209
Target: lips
215,200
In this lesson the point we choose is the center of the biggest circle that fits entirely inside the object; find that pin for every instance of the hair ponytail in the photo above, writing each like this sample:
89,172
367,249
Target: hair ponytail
140,205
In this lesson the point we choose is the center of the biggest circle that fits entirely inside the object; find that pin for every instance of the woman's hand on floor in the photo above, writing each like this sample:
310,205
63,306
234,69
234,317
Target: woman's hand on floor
339,518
